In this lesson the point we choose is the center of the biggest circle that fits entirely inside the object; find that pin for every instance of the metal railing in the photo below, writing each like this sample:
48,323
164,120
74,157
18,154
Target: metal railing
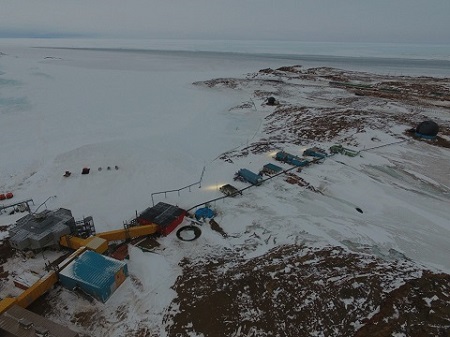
313,161
199,183
44,203
2,207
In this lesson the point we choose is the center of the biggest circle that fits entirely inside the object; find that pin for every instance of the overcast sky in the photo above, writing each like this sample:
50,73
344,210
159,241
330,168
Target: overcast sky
408,21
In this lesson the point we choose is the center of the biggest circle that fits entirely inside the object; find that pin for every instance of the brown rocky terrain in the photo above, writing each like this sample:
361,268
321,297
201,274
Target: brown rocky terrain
297,290
336,104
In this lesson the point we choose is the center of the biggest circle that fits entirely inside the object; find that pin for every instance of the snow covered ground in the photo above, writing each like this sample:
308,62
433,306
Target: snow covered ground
65,109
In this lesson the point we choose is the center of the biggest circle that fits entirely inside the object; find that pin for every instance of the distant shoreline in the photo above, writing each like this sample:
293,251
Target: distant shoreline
273,47
385,65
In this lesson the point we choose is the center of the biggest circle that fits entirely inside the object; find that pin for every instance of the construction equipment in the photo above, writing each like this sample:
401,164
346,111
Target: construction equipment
40,287
98,245
129,233
99,242
229,190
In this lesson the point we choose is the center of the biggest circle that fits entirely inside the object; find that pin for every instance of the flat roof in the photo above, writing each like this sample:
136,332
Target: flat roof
14,321
161,214
92,268
273,167
39,226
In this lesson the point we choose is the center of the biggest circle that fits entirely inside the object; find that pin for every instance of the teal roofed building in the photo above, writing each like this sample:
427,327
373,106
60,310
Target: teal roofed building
291,159
94,274
271,169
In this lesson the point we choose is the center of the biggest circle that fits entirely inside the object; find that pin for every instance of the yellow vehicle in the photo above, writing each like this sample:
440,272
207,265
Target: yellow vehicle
98,243
40,287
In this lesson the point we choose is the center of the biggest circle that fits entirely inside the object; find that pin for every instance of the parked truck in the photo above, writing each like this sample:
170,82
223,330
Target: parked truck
229,190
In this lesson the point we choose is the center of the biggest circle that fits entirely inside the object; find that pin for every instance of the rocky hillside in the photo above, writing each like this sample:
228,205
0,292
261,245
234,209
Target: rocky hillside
296,290
327,104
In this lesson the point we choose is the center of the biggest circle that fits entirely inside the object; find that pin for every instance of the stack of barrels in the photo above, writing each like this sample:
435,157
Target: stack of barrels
4,196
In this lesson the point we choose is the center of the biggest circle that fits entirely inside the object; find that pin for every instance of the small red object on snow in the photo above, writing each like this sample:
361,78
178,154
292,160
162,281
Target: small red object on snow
2,196
9,195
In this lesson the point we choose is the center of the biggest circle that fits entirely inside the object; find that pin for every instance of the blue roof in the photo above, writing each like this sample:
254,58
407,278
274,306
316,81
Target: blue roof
205,212
273,167
96,269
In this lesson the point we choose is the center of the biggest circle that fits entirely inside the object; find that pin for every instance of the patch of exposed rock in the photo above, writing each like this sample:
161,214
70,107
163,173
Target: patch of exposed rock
326,104
303,291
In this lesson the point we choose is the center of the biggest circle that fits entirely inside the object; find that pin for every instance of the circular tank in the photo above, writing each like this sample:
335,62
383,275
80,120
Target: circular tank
427,128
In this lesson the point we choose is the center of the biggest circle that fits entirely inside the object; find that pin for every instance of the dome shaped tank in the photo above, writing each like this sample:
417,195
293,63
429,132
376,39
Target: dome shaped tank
428,129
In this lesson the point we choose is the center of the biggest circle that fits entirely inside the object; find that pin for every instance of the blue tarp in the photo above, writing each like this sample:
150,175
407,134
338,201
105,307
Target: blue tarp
425,136
204,213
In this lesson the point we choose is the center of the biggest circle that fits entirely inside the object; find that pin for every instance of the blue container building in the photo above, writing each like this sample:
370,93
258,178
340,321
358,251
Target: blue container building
95,274
314,152
272,169
249,176
291,159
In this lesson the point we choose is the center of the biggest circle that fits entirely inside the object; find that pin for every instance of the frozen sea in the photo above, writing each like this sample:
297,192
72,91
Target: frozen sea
392,58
